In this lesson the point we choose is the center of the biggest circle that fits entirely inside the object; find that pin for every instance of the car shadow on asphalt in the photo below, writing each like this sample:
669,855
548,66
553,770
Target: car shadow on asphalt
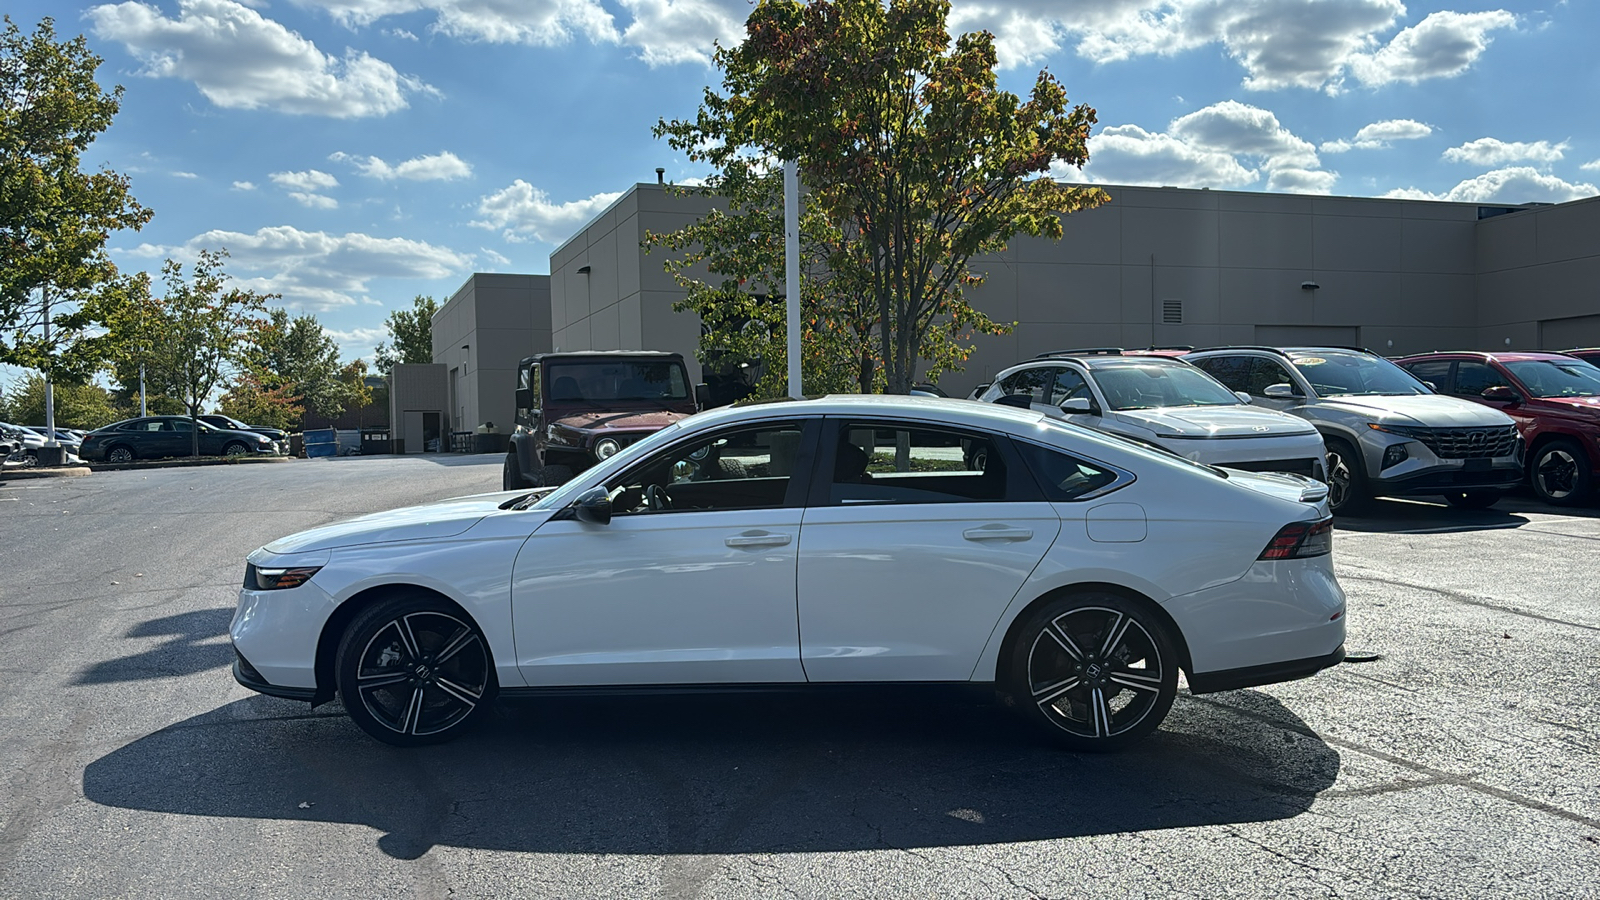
196,642
1385,516
723,774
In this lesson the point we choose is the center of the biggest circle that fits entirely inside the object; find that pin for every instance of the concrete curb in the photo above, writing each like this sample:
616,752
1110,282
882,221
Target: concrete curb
17,472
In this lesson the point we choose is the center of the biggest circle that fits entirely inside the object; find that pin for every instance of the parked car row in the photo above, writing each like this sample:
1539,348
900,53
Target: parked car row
1463,425
154,437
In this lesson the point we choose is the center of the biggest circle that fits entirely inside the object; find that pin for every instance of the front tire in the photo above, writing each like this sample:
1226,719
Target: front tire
414,670
235,448
1096,671
511,474
1559,474
121,453
1347,479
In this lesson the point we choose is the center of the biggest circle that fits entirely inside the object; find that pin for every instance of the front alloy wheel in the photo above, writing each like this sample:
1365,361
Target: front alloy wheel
1096,670
1347,483
414,671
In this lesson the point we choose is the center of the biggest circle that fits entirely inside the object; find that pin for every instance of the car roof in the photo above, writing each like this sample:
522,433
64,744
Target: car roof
603,354
1499,355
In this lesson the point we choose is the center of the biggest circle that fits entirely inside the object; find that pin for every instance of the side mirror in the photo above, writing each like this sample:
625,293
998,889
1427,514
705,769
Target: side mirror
524,398
593,506
1020,401
1243,397
1076,405
1500,394
702,395
1280,391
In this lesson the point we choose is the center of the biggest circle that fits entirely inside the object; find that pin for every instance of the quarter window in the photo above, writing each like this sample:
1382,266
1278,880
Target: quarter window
1064,477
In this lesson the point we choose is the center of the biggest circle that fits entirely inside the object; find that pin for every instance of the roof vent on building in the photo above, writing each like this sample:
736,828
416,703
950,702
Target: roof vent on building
661,175
1172,312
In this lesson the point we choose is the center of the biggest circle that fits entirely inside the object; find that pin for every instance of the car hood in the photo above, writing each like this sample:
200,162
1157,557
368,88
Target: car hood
1215,421
1429,410
620,420
1585,404
432,521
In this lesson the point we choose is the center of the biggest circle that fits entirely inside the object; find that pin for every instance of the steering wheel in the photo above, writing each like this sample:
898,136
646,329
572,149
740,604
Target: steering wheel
655,496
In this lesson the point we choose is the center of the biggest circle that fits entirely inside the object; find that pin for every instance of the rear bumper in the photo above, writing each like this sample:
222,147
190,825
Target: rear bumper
1254,676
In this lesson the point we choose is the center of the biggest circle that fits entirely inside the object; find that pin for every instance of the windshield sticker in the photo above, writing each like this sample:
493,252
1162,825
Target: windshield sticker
1310,361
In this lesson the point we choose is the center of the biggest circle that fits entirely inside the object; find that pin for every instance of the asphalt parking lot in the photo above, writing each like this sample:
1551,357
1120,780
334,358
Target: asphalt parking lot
1461,761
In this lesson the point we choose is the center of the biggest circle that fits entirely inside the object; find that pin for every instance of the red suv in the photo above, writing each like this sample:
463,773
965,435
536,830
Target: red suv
1554,398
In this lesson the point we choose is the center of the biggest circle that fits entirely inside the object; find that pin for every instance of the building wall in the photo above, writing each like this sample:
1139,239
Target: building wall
1539,278
1178,266
479,335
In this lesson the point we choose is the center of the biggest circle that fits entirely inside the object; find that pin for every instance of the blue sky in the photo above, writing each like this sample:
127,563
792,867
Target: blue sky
351,154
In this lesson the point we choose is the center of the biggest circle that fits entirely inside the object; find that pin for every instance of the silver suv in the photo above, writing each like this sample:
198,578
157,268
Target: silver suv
1387,433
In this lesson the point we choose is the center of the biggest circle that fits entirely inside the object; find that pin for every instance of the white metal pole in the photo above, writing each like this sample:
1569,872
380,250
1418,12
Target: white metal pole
791,266
49,389
142,412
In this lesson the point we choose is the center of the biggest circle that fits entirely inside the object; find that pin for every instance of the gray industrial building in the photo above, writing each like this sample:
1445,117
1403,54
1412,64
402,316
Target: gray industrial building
1152,266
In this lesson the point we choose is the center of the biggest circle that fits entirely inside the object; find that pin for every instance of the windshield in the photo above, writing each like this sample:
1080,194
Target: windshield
616,381
1146,386
1334,373
1557,377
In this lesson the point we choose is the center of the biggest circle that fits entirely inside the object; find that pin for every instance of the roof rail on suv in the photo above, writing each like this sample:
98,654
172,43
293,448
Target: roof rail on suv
1082,351
1261,347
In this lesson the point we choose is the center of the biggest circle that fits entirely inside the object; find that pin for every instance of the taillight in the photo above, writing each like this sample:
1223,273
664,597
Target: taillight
1300,539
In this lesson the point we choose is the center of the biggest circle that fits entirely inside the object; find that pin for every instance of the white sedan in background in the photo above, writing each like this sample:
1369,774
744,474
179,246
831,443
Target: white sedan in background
822,542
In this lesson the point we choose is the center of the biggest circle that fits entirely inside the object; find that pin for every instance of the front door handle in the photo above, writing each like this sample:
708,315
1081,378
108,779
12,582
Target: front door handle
758,539
998,533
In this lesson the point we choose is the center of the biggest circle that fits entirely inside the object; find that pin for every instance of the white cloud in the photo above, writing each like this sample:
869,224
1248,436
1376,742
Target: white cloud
1440,46
1591,166
1513,185
1225,145
314,201
315,270
523,212
357,343
244,185
242,60
400,33
667,32
1378,135
444,166
309,180
546,23
1493,152
184,175
493,258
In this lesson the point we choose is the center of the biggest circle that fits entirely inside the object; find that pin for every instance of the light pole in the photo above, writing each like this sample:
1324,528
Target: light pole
791,267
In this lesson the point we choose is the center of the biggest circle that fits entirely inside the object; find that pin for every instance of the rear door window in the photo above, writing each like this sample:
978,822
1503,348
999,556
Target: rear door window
881,463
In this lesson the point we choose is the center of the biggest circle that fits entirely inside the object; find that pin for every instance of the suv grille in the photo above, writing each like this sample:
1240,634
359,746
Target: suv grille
1463,443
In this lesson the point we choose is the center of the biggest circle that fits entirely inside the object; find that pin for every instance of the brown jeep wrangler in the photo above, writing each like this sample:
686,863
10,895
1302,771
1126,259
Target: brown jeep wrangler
575,409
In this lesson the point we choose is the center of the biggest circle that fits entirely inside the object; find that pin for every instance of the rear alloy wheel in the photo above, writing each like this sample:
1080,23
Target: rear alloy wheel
235,448
413,670
1472,499
1096,670
121,453
1347,479
1559,473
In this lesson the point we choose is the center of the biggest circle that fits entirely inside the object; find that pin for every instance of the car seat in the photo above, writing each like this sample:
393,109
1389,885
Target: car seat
850,464
566,388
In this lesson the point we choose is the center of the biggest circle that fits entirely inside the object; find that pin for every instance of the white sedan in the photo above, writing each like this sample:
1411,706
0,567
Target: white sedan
834,541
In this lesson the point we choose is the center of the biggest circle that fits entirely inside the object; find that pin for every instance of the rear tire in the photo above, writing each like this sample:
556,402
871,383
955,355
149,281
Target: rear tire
1560,474
1348,493
1094,670
1472,499
414,670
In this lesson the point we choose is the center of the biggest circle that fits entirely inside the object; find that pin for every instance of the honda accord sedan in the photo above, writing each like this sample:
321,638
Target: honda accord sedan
802,544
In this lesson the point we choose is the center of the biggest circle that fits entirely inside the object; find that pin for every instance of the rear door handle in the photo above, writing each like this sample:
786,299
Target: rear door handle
998,533
758,539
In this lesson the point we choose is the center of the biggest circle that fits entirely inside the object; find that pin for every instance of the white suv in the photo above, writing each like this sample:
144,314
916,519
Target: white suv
1161,401
1387,433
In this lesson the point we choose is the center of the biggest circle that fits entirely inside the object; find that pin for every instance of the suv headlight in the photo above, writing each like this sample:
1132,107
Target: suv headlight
607,448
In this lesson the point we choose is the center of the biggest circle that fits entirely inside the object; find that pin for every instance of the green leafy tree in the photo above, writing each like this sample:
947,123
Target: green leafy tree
204,333
906,146
250,400
410,335
731,266
295,354
86,406
57,286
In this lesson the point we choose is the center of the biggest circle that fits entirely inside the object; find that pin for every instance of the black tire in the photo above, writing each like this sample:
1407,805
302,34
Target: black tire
554,475
1559,473
1472,499
120,453
413,669
1347,479
511,474
29,459
235,448
1096,671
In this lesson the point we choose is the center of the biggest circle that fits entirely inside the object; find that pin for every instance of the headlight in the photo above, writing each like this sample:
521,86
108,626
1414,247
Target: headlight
279,579
607,448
